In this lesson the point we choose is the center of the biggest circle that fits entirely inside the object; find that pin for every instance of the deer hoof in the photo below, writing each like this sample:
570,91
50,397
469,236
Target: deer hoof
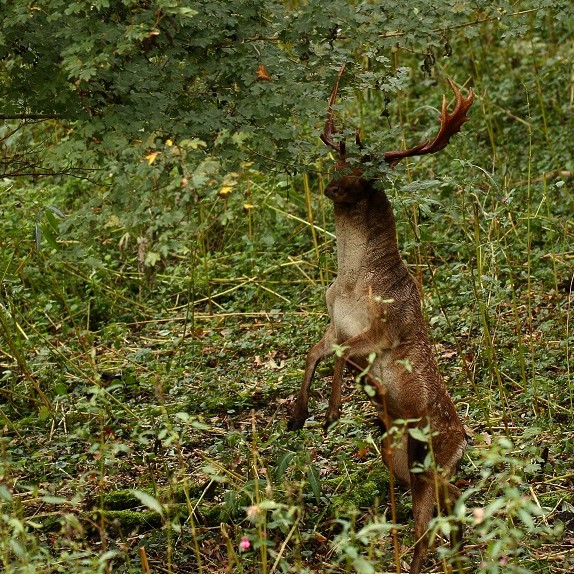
330,420
296,422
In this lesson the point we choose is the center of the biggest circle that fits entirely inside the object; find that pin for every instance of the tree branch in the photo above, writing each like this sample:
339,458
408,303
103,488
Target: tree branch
31,117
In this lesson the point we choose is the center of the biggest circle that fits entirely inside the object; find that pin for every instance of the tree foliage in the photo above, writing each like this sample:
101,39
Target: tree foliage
235,80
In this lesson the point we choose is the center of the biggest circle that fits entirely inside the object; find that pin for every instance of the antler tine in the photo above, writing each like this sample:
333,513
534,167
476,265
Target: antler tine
329,130
450,124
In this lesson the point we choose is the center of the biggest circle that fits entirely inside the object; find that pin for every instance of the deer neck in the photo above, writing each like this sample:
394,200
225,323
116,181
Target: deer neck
366,237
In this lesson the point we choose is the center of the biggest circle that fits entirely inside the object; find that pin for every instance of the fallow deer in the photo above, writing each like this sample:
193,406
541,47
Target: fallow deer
377,323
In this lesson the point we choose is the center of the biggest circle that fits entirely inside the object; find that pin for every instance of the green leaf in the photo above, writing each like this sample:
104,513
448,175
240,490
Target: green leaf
5,494
269,505
56,211
199,425
363,566
149,501
283,463
314,483
421,186
186,12
38,236
44,413
370,390
48,236
53,222
419,434
53,499
406,364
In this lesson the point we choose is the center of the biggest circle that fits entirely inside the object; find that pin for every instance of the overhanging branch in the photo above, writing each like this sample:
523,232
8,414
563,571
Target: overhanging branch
21,117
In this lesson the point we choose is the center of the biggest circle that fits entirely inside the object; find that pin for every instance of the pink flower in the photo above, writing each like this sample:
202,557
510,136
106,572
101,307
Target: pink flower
244,544
252,512
478,515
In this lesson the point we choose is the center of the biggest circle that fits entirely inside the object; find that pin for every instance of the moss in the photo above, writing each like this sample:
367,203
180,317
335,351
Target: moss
122,507
120,500
125,499
132,519
211,515
369,486
552,499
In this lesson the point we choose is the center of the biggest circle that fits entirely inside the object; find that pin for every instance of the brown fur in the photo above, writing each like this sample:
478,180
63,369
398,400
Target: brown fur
374,306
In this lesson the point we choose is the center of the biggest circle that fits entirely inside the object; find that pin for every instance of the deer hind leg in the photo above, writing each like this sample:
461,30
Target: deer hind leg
426,486
318,352
423,496
422,490
449,494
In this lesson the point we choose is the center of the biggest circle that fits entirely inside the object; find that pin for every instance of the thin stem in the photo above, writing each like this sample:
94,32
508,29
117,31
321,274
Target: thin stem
311,219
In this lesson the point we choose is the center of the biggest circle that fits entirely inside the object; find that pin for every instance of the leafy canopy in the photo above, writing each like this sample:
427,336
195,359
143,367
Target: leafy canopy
233,79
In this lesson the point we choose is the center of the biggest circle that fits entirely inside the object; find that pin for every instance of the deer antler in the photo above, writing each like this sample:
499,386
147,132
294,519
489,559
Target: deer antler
450,124
329,130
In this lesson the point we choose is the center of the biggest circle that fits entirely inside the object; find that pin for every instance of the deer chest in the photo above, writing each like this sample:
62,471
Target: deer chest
349,311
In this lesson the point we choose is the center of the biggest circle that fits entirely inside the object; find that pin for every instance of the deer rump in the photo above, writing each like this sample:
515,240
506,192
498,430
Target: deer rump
378,327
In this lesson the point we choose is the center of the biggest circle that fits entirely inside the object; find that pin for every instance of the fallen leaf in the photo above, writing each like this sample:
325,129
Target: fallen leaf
362,452
448,354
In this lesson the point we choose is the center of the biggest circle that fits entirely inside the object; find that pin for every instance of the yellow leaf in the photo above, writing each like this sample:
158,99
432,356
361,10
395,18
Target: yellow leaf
151,157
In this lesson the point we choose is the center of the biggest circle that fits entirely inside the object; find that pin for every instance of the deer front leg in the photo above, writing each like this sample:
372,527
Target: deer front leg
321,350
359,345
373,340
334,410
